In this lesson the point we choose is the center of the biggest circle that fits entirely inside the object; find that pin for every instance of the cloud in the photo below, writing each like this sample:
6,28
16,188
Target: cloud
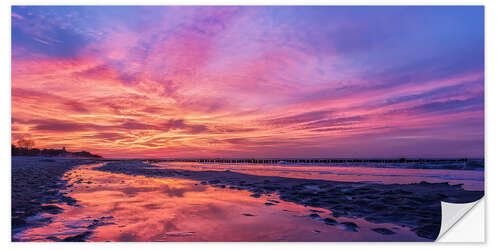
180,124
134,125
59,125
37,36
25,95
451,106
249,81
439,92
335,122
300,118
109,136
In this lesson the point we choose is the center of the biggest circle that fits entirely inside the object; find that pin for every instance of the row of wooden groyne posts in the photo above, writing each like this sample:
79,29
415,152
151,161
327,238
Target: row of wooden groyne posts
305,161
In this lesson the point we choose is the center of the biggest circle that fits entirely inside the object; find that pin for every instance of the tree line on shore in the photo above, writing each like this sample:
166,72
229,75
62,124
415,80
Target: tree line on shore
25,147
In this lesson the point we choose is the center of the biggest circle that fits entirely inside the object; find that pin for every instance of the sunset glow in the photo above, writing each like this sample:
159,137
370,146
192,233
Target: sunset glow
250,81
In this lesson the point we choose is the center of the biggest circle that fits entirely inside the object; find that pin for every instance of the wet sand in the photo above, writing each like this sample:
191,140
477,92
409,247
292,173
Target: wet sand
416,206
36,181
471,179
122,207
69,200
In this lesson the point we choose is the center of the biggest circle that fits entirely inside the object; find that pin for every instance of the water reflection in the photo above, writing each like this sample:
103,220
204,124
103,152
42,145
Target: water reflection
471,179
118,207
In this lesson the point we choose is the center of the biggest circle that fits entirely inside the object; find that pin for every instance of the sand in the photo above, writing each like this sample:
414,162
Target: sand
417,206
36,187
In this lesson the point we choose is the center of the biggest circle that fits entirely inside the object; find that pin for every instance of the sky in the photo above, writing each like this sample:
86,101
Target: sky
263,82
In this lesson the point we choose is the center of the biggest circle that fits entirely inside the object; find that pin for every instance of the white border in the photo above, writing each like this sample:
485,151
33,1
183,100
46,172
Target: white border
492,11
461,231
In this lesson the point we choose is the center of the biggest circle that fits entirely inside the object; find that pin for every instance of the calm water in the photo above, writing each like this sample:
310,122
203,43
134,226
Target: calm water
471,179
118,207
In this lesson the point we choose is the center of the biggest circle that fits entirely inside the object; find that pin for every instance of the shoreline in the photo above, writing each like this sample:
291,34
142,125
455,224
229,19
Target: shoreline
416,206
36,187
403,163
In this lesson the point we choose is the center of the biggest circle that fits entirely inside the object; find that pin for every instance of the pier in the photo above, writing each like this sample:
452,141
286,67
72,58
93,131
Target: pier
302,160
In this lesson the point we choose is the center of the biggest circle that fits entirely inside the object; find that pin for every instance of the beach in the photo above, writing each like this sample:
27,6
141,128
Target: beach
119,200
36,182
